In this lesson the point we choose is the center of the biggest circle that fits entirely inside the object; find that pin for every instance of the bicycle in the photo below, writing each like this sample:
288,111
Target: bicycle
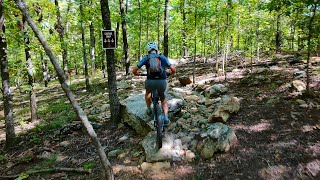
157,114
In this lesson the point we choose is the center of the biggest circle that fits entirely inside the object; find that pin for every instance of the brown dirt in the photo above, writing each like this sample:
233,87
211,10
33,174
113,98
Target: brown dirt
276,140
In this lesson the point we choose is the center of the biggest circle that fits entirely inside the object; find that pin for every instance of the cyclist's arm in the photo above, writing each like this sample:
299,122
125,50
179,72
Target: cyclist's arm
135,71
169,65
139,65
172,70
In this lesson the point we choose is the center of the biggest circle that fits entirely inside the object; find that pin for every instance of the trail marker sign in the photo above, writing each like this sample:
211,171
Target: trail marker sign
108,39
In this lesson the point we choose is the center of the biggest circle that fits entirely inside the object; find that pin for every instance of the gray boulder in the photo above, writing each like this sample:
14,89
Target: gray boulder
299,85
225,108
217,138
133,112
215,90
172,149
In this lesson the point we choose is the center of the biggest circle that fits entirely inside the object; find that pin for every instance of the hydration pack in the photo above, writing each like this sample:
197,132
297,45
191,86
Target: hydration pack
155,67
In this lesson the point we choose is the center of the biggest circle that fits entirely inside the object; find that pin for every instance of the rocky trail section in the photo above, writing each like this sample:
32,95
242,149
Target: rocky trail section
256,125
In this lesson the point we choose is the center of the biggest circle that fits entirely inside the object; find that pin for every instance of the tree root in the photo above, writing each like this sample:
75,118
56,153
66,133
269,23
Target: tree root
50,170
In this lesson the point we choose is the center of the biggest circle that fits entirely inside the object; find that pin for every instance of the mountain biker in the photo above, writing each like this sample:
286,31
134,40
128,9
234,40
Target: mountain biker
158,82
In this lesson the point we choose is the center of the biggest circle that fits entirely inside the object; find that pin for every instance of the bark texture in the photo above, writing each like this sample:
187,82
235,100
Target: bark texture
166,29
60,29
124,36
30,70
111,69
85,62
6,92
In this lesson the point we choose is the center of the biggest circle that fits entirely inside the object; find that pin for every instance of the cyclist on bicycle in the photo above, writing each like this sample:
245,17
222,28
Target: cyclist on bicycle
153,81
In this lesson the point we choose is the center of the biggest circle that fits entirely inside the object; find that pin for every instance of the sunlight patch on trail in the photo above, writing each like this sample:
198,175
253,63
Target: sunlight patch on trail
254,128
20,128
274,172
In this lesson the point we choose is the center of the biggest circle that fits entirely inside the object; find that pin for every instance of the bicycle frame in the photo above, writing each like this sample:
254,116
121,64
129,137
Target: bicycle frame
158,123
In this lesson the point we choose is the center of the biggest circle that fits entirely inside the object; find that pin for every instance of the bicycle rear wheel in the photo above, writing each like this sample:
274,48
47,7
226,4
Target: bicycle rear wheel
159,132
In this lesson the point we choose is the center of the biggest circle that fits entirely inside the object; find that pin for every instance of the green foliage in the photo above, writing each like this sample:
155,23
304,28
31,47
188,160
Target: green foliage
23,176
3,158
199,177
89,165
59,113
35,139
246,25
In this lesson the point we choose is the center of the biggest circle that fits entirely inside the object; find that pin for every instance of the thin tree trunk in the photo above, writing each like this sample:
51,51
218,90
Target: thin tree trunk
111,61
93,48
45,70
309,46
140,29
238,33
205,33
84,47
124,36
117,32
195,43
217,39
159,10
184,30
147,18
166,29
6,92
258,40
81,114
278,35
103,65
217,51
30,70
60,30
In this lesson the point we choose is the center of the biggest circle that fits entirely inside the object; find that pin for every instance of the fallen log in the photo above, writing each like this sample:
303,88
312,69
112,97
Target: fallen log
50,170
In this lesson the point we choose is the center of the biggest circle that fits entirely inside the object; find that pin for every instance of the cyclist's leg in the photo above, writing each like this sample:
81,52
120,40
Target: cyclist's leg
147,96
164,103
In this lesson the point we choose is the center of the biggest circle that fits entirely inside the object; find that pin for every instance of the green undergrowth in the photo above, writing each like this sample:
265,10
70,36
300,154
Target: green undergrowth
55,114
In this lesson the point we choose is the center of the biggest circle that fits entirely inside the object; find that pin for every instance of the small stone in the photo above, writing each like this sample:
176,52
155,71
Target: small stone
64,143
123,138
190,155
155,167
114,153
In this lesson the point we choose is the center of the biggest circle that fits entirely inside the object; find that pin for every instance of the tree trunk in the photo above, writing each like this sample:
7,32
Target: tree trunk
117,32
104,65
309,46
111,61
84,48
6,92
30,70
93,47
159,10
124,36
166,29
147,19
140,29
184,30
217,39
60,30
195,43
278,35
238,33
81,114
45,70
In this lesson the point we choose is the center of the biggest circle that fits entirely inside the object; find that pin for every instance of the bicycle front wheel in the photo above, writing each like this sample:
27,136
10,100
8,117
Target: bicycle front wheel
159,132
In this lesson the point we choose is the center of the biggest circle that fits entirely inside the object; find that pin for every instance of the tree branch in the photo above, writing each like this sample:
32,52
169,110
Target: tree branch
75,170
